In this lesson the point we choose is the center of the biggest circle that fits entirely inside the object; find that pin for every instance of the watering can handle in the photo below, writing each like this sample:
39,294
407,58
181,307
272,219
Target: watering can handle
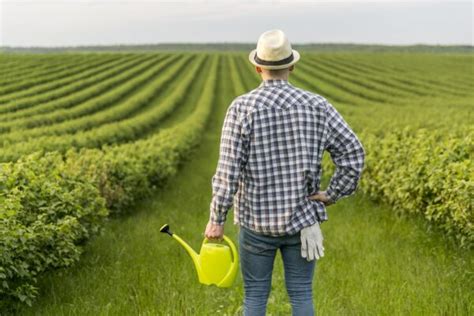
229,241
207,240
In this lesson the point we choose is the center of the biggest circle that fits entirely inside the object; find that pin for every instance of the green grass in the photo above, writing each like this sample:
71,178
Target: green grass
375,264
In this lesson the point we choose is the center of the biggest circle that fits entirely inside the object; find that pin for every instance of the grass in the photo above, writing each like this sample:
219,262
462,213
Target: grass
376,263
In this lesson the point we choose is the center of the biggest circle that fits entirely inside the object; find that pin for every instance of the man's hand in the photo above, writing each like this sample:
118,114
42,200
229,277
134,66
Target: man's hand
214,231
321,196
312,242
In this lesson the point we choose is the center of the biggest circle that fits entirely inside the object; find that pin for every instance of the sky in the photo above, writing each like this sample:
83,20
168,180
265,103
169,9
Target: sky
53,23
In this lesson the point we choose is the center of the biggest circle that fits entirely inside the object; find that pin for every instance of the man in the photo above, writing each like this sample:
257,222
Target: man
272,143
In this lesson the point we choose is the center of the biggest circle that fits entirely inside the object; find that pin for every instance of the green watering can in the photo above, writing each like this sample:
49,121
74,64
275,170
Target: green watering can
215,264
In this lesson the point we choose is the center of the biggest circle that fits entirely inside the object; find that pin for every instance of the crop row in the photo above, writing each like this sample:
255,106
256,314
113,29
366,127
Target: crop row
52,204
425,172
357,89
422,79
63,72
86,90
234,74
111,133
421,83
379,77
358,78
436,70
121,86
121,108
36,67
61,79
13,62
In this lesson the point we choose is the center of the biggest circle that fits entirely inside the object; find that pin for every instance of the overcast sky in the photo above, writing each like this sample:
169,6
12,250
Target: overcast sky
101,22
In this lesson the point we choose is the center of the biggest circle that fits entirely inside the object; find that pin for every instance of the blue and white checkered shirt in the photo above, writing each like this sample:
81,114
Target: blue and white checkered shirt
271,147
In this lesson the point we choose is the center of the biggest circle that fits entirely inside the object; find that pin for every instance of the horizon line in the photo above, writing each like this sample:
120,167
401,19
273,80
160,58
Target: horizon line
241,43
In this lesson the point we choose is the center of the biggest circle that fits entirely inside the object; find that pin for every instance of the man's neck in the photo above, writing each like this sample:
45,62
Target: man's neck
274,78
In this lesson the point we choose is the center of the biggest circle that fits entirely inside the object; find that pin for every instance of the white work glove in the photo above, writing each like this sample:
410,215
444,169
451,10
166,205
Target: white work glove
312,242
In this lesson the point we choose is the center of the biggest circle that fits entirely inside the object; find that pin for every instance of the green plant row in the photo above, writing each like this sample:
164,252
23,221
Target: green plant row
63,72
234,73
435,69
251,79
81,91
20,62
426,172
45,213
120,110
382,68
62,79
422,78
7,64
357,78
306,76
331,90
327,89
374,76
53,203
111,133
354,86
144,73
12,65
345,84
132,169
35,67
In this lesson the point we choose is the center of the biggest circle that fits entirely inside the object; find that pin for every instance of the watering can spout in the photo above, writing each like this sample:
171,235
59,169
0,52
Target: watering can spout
194,255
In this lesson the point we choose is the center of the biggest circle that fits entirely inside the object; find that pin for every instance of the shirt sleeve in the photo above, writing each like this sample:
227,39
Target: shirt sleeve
232,158
346,152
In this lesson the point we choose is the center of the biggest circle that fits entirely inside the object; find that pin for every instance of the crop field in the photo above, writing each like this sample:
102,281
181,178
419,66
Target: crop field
98,150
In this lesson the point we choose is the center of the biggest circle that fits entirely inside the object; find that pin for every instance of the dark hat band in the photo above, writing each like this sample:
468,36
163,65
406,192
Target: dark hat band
274,63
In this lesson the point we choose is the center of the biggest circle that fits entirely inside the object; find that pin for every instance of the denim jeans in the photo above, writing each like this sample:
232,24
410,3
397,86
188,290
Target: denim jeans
257,254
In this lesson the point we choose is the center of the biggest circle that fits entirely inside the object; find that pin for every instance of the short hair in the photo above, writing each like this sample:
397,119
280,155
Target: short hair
277,72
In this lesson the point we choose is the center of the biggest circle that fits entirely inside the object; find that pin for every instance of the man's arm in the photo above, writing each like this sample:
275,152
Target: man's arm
347,154
232,157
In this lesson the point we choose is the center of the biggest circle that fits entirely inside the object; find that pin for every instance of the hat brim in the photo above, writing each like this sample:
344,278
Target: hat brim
296,57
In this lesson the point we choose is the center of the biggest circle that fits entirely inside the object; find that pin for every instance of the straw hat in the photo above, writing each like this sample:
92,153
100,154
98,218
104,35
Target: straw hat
273,51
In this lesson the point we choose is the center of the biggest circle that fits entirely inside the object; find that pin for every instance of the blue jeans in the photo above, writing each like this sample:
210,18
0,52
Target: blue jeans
257,254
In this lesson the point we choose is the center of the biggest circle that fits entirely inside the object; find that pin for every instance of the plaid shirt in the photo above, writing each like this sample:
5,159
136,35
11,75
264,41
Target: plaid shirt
271,147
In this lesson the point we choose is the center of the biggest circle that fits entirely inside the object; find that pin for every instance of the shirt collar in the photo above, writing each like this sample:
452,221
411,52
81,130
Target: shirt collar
273,82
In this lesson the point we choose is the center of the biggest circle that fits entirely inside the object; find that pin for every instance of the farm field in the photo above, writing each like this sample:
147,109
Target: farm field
99,150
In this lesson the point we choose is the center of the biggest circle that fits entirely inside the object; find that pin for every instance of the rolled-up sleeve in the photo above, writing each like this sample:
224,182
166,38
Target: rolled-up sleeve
232,158
346,152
